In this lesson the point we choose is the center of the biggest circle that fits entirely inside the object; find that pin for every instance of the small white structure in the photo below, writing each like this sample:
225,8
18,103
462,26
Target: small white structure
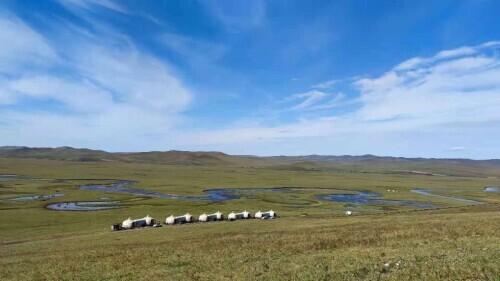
211,217
348,213
149,220
265,215
187,218
145,221
127,224
237,216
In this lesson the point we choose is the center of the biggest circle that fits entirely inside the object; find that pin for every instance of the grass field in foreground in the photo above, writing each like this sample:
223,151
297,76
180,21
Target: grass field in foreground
311,241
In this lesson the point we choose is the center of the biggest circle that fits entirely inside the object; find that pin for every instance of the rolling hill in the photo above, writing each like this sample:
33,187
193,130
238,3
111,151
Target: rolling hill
363,163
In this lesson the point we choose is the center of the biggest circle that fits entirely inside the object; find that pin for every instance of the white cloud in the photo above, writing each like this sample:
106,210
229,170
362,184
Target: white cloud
317,100
454,90
22,46
462,51
308,99
90,4
445,55
117,96
237,16
195,50
462,89
110,94
137,78
79,96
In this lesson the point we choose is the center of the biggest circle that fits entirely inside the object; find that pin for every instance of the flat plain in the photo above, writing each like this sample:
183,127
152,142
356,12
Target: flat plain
444,239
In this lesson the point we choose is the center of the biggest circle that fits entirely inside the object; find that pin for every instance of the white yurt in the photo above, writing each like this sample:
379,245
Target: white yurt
149,220
127,224
203,217
179,219
170,219
237,216
188,217
245,214
265,215
217,216
258,215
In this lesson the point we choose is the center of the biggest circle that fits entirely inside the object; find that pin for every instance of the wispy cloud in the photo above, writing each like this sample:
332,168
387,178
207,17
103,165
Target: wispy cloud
96,82
308,99
436,91
23,47
89,5
464,51
316,100
105,90
455,88
237,16
195,50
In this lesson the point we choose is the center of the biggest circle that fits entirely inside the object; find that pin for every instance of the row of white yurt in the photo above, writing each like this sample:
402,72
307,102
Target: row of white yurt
187,218
265,215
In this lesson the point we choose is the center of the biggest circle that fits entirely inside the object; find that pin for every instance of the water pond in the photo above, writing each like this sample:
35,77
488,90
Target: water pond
83,206
4,177
372,198
492,189
37,197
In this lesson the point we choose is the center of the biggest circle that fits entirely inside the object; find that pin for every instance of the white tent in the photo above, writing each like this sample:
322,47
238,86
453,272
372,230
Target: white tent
265,215
179,219
237,216
210,217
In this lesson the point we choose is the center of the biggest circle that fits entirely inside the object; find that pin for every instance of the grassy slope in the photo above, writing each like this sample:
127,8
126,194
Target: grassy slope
312,241
457,246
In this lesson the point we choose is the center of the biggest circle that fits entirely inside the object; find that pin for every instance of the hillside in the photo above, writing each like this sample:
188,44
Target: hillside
363,163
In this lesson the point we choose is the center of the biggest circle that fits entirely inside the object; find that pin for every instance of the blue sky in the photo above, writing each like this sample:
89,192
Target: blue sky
400,78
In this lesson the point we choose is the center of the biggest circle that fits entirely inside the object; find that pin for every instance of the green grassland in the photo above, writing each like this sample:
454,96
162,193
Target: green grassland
312,240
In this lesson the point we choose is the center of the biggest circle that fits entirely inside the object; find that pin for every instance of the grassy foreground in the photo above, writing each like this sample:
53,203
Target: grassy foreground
460,245
311,241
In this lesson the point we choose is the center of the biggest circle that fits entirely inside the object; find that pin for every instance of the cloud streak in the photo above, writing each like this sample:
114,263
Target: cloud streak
456,89
89,5
317,100
23,47
89,91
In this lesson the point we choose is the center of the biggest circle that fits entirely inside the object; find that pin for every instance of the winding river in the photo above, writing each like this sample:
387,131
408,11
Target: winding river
427,192
224,194
83,206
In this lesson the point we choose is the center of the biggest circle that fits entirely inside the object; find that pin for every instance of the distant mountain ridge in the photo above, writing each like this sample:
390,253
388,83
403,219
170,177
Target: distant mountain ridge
88,155
363,163
370,157
76,154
